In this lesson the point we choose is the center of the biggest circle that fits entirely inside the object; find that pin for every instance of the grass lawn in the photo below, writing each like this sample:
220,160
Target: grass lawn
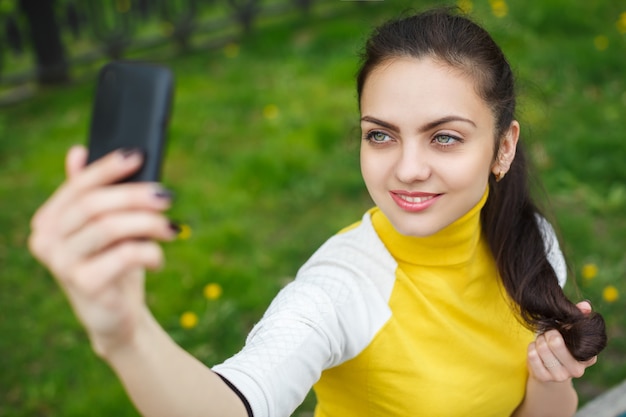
263,158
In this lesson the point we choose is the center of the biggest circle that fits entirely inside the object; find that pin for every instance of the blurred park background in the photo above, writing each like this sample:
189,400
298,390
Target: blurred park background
263,158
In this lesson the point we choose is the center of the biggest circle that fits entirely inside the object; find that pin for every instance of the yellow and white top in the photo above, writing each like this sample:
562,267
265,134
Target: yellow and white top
385,325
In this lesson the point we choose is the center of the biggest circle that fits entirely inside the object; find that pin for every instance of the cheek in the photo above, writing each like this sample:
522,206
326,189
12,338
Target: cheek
374,170
468,173
367,170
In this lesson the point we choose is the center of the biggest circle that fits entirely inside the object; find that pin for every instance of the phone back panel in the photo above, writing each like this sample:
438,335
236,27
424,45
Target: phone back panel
131,110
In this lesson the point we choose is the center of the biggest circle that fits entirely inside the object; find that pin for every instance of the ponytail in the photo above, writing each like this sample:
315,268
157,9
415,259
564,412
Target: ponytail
510,222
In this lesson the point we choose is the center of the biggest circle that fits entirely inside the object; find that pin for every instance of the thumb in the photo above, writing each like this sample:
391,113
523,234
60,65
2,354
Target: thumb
75,160
585,307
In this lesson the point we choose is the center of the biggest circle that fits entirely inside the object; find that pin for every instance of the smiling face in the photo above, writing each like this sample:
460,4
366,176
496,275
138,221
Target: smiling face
428,143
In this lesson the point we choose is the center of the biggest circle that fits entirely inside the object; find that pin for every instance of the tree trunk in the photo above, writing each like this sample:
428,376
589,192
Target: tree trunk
52,65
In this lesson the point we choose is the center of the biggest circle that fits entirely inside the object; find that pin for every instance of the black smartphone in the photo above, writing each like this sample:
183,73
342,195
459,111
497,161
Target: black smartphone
131,109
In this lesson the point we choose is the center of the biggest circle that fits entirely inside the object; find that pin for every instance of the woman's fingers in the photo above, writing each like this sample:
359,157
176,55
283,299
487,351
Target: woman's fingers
555,355
550,360
584,307
107,170
100,206
107,231
535,364
123,197
75,160
110,169
101,271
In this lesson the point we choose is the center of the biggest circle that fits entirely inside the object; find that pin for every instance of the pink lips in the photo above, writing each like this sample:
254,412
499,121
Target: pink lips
412,201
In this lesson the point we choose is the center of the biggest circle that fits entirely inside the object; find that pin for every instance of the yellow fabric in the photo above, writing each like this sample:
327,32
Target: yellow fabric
453,346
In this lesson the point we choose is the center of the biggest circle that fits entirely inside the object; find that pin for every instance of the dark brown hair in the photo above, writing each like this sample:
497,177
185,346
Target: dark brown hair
509,218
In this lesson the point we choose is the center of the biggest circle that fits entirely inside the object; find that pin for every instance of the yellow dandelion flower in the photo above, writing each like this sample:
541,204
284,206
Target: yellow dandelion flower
621,23
231,50
185,232
271,111
212,291
589,271
499,8
610,294
466,6
601,42
188,320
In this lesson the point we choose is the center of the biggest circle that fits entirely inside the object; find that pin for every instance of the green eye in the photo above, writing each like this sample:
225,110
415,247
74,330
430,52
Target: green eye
378,136
445,140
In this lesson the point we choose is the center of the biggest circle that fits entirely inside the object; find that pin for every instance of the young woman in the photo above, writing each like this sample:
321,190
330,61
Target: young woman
445,299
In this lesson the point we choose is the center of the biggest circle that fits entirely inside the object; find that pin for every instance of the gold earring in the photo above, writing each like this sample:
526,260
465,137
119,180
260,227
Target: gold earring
499,176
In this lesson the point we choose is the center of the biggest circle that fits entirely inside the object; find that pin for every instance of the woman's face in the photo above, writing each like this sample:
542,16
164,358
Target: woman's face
428,144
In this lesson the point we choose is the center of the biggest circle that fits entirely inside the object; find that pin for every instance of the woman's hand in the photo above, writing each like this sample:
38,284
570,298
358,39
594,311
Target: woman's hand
97,238
549,360
549,389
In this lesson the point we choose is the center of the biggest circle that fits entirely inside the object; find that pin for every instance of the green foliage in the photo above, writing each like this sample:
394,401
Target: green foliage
263,159
7,7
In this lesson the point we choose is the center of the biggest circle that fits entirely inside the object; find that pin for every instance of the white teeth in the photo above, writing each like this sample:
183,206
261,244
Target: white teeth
415,199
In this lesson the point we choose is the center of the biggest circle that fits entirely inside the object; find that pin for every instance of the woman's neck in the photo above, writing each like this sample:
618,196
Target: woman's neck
453,245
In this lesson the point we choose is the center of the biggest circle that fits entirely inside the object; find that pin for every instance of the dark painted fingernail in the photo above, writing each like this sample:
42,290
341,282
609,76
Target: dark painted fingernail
164,194
129,152
175,227
182,231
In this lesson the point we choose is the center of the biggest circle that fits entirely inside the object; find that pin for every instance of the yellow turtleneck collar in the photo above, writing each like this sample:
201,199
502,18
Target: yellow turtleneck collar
453,245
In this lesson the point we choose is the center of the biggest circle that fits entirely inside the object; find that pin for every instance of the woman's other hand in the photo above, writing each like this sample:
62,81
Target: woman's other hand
549,360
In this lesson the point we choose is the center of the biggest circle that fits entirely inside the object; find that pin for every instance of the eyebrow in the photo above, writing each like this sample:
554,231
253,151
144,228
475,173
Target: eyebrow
428,126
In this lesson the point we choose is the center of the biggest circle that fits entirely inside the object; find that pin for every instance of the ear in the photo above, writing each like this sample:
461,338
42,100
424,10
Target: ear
506,150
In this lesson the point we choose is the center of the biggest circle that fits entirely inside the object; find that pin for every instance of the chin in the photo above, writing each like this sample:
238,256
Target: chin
415,231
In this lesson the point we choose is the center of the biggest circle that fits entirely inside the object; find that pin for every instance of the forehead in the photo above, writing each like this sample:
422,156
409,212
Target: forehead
422,88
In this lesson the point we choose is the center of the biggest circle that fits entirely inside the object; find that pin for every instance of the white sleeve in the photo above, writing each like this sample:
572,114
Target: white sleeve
325,317
553,250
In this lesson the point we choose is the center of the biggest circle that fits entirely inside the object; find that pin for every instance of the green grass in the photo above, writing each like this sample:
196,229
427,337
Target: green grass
263,158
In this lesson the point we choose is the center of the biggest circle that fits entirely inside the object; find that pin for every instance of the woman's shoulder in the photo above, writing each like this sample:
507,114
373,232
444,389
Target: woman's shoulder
355,245
355,254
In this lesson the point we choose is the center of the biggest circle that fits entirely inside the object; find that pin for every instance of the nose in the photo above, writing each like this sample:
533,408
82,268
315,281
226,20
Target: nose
413,163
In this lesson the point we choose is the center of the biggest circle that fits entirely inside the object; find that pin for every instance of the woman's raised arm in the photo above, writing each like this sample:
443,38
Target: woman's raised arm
97,237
